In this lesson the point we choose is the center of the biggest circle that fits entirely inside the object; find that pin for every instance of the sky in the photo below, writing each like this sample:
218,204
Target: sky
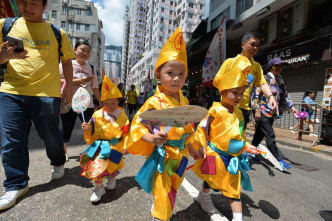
111,13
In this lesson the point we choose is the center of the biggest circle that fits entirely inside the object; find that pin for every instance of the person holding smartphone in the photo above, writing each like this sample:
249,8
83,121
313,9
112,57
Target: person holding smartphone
31,92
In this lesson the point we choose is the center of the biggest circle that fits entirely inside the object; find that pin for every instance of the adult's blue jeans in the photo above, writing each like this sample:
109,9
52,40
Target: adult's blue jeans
17,113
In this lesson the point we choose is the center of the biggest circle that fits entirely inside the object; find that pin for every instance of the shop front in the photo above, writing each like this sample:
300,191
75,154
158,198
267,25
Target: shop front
310,68
308,62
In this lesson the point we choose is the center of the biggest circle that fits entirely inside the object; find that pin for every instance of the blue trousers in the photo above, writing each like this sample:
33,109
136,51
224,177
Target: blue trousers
17,113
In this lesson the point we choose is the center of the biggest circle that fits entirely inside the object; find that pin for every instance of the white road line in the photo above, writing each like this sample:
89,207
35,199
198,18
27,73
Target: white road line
190,188
194,193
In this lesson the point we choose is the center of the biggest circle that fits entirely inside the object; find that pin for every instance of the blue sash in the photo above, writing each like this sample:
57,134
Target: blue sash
156,162
105,150
235,164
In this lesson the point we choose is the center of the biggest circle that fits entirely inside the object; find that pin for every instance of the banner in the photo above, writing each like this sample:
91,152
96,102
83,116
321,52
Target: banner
8,8
215,55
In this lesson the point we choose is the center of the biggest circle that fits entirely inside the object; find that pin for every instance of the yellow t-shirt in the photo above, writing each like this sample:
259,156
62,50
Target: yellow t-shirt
132,95
37,75
255,70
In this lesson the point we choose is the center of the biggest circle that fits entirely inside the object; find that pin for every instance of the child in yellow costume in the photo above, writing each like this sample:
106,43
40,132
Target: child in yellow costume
220,139
107,135
164,170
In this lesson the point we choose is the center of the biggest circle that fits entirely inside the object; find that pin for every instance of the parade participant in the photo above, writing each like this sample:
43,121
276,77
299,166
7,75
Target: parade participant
220,140
131,101
120,87
107,134
84,75
250,44
264,115
31,92
171,70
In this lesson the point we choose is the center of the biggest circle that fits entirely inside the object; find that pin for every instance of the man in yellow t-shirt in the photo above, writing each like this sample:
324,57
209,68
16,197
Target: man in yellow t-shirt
31,92
131,101
250,44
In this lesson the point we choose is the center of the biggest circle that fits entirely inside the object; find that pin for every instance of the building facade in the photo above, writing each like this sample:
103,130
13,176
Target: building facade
112,62
189,13
137,31
125,47
297,31
162,18
143,71
79,19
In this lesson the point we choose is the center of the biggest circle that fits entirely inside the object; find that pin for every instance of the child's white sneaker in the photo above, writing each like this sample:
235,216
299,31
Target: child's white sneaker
97,193
58,172
111,183
205,201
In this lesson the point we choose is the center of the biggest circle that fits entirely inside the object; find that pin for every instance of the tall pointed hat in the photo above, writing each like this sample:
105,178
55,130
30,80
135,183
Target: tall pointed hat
109,90
235,77
174,49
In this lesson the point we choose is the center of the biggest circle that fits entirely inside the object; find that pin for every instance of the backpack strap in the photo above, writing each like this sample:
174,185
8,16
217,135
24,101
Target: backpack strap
57,33
7,26
92,67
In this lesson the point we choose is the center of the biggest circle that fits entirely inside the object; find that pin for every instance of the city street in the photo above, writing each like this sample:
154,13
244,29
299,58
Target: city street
302,193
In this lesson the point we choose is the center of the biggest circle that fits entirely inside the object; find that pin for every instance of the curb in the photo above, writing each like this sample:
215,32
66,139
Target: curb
316,149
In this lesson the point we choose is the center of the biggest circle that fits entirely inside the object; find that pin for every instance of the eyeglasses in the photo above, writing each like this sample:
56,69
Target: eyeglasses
253,45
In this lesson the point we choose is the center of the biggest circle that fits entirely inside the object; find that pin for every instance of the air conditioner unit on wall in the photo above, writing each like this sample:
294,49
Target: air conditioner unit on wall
292,19
268,29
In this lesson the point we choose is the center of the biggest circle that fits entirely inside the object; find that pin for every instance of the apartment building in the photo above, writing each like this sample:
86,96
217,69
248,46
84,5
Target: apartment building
162,18
137,30
112,62
125,47
79,18
189,13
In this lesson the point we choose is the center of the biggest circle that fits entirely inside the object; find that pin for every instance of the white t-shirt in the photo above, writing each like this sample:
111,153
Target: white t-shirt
83,71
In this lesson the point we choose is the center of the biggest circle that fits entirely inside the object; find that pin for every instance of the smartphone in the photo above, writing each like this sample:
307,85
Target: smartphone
15,41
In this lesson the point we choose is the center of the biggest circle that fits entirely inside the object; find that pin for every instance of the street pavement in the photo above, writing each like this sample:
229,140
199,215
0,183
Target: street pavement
301,193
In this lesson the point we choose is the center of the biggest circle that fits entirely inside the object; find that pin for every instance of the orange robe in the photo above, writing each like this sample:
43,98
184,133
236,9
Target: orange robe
107,139
165,184
221,131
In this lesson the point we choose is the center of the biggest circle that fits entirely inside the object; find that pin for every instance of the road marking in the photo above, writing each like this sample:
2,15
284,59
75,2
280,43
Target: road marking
190,188
194,193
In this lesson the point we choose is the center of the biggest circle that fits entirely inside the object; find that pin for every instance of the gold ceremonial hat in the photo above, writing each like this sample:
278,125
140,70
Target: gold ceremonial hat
174,49
235,77
109,90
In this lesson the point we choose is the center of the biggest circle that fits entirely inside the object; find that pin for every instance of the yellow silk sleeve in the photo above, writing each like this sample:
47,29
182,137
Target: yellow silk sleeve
136,145
89,139
189,130
201,136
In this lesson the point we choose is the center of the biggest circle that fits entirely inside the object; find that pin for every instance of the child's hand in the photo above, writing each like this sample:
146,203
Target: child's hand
86,126
202,152
253,150
160,138
193,153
